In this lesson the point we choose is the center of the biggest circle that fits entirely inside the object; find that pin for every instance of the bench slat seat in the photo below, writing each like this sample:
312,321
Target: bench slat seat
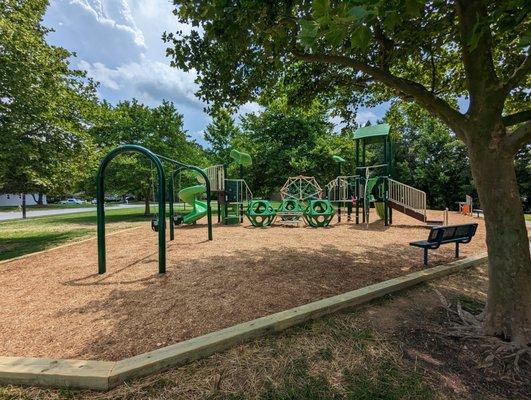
446,234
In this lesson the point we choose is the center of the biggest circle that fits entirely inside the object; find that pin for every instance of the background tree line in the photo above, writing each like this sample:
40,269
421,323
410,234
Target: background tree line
289,140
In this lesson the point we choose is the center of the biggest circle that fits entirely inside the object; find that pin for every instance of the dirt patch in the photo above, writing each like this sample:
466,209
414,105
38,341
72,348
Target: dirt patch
55,305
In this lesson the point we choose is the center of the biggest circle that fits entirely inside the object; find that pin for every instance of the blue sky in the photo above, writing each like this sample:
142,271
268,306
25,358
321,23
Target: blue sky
118,42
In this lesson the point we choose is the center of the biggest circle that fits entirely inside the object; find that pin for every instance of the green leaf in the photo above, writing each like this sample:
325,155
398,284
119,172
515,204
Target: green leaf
308,32
320,8
413,8
361,37
391,20
358,12
335,34
525,39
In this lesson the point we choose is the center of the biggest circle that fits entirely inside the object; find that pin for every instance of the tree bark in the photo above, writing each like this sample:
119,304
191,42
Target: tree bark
147,210
38,199
23,205
508,311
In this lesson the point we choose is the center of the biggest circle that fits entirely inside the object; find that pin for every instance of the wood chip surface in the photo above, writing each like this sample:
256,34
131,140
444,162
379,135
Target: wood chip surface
56,305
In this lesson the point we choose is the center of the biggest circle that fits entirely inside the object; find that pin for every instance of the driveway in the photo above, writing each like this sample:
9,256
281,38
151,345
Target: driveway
4,216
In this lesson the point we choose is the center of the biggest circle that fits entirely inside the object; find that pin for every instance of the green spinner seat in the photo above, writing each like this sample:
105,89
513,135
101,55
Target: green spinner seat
290,211
319,213
260,213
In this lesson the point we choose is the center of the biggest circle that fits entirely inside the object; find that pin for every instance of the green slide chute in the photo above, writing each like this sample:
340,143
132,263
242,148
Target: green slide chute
188,195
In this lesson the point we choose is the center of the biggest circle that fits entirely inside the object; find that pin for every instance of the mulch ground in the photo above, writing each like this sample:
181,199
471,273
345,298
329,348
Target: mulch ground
56,305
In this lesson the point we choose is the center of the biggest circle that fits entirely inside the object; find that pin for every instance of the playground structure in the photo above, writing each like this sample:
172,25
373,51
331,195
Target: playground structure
373,184
301,201
302,197
159,221
232,194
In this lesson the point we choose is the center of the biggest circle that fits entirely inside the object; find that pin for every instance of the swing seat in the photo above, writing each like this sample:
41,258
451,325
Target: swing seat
155,224
178,219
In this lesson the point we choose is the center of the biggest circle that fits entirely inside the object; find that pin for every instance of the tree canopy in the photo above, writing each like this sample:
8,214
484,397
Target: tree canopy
159,129
44,106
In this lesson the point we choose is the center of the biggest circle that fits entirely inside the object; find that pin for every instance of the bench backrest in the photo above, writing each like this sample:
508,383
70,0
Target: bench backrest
452,232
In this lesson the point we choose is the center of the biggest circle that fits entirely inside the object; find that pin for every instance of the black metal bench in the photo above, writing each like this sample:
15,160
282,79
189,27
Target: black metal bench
446,234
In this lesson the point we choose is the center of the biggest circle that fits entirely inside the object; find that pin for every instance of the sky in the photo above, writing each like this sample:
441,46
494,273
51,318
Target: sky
118,43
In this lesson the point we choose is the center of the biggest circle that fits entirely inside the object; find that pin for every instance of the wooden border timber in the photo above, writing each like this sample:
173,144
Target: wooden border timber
103,375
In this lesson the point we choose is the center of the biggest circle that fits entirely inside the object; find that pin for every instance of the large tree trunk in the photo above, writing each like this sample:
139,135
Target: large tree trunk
508,312
147,210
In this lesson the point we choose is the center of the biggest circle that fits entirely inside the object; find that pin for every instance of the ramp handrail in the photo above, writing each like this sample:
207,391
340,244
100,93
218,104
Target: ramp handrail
407,196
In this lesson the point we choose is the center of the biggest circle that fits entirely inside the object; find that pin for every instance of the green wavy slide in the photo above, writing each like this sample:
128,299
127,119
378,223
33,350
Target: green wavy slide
188,195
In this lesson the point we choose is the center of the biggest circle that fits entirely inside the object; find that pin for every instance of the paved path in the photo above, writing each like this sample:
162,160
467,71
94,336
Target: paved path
4,216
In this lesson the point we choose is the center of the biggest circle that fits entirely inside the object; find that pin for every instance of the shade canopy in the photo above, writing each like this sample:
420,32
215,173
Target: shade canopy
372,133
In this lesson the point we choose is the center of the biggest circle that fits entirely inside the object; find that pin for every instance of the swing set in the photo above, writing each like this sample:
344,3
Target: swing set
158,223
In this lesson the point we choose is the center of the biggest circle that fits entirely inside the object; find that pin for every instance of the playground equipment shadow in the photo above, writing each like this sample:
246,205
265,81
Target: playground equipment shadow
55,305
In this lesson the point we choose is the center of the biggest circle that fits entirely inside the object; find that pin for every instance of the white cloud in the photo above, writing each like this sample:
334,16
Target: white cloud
248,108
149,81
363,116
119,44
101,31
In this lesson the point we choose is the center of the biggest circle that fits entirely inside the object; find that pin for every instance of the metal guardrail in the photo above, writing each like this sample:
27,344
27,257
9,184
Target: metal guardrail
407,196
338,189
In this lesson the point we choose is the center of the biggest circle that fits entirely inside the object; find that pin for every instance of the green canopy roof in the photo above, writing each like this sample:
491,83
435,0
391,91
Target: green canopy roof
373,131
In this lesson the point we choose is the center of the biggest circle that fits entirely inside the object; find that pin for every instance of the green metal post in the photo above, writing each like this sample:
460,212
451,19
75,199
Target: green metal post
385,182
100,197
171,195
225,202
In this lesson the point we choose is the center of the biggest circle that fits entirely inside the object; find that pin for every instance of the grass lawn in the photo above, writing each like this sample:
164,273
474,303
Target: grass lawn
394,348
527,217
35,234
21,236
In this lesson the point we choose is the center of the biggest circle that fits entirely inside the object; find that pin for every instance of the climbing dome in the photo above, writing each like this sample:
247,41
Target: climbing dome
260,213
319,213
301,188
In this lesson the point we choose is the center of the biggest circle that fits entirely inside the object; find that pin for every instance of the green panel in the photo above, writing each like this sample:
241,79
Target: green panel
260,213
232,189
377,132
338,159
319,213
241,158
380,209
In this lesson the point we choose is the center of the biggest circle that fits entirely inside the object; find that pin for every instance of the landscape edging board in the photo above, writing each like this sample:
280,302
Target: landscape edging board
103,375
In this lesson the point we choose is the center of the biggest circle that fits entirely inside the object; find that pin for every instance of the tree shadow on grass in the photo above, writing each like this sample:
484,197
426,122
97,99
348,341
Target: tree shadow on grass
18,246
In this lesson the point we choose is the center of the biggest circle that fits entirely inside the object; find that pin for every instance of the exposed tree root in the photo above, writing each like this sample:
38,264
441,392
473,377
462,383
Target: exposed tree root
497,351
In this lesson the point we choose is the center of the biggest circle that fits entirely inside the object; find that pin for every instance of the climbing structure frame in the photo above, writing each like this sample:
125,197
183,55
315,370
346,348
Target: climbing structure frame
301,188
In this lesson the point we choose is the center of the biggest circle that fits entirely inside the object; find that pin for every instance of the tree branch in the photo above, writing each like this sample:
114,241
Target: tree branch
518,138
405,87
519,73
476,54
516,118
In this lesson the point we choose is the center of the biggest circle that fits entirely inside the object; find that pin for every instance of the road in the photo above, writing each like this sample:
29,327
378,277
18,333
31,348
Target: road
4,216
